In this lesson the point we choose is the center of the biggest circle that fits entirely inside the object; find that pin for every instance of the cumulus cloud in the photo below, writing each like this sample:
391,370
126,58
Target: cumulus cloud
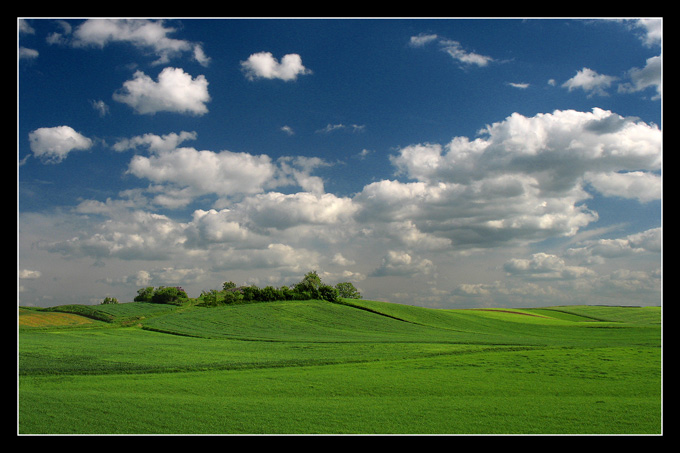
131,235
643,78
155,143
523,179
554,148
223,173
263,65
175,91
646,242
148,35
590,81
282,211
588,273
216,227
53,144
398,263
275,256
651,30
185,173
639,185
545,266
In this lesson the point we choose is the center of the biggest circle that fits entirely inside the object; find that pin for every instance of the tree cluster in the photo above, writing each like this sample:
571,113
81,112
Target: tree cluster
310,287
109,300
161,295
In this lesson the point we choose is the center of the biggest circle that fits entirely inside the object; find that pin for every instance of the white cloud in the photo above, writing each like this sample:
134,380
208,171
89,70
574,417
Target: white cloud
282,211
555,148
543,266
643,78
27,54
341,260
215,227
638,185
141,33
397,263
29,274
456,51
595,278
652,30
596,251
522,180
100,107
334,127
275,256
298,171
175,91
422,39
224,173
200,56
155,143
452,48
263,65
134,235
590,81
185,173
25,27
53,144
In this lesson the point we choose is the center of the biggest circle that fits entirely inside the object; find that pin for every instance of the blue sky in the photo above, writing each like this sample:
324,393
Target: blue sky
440,162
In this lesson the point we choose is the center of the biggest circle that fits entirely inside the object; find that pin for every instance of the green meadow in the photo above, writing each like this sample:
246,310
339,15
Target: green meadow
351,367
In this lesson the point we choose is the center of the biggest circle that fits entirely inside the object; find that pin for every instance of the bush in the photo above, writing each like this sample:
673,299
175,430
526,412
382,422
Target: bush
348,291
310,287
249,292
168,295
232,297
328,293
144,294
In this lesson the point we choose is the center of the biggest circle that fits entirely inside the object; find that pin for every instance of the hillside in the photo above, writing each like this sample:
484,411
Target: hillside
359,321
356,366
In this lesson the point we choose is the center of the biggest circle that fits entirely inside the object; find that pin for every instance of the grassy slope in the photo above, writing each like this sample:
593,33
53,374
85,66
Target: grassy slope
403,368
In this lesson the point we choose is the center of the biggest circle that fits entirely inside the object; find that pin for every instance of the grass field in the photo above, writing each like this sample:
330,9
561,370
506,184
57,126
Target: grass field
361,367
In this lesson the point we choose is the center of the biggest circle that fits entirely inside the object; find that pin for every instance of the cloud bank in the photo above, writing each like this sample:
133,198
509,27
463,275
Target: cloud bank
521,181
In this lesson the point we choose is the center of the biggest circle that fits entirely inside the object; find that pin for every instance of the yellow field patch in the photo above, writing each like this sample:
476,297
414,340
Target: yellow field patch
30,318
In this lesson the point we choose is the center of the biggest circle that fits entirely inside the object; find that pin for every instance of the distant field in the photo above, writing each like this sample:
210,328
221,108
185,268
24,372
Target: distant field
32,318
362,367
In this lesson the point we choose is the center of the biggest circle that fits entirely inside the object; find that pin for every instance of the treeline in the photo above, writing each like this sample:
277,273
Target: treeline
309,288
161,295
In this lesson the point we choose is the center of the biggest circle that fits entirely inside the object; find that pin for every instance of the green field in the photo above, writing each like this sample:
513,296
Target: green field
358,367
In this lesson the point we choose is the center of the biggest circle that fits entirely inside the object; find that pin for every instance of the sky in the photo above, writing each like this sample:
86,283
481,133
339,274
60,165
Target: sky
441,162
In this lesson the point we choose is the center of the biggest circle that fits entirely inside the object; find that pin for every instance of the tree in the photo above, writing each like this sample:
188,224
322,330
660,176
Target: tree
228,285
327,292
109,300
232,297
144,294
249,292
310,283
209,297
347,290
168,295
